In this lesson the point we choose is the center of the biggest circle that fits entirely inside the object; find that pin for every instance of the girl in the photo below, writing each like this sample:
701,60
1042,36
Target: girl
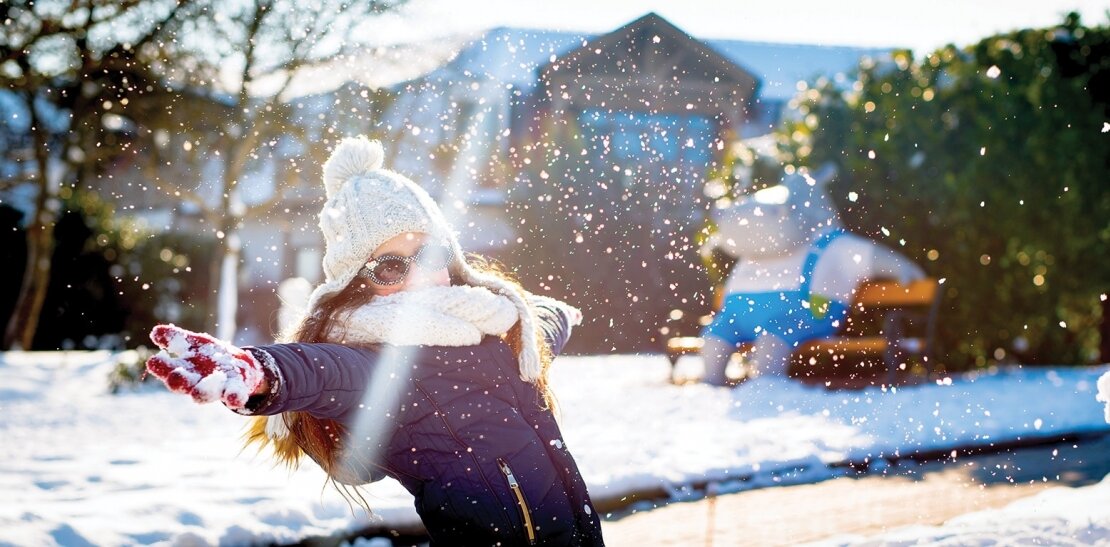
411,363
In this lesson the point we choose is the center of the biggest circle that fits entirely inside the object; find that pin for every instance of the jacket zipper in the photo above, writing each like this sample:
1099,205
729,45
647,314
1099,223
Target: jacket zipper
515,487
442,416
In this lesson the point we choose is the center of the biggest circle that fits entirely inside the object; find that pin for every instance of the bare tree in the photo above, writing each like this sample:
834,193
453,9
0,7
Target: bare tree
69,64
247,56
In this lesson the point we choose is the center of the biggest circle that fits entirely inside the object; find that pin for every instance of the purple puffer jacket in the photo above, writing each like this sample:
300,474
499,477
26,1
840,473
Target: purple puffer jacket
456,426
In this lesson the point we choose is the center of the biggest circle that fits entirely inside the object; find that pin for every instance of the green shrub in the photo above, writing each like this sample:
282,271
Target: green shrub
987,165
112,279
130,370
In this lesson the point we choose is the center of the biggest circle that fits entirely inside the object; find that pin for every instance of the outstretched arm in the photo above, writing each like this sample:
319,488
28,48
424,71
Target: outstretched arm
555,319
893,265
324,380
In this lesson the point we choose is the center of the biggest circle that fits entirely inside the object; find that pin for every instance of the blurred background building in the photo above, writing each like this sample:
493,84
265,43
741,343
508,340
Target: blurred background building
583,155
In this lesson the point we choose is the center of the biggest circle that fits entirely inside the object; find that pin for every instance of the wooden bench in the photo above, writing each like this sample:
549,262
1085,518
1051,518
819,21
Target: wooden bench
888,323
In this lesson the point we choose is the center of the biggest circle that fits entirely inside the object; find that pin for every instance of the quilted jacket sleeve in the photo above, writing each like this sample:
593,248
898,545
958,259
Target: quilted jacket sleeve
554,320
325,380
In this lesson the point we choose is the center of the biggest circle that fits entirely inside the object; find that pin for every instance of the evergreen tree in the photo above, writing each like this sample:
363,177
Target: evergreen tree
986,164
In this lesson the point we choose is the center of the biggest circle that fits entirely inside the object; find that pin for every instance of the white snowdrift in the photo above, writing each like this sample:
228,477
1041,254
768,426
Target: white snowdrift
78,465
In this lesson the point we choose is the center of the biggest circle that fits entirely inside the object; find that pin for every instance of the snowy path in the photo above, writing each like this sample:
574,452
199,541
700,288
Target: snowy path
859,510
79,465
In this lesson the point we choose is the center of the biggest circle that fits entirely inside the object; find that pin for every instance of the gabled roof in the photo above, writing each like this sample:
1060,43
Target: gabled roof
508,55
514,56
781,66
648,43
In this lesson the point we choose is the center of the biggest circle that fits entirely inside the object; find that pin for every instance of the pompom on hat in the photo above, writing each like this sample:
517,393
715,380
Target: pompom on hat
368,205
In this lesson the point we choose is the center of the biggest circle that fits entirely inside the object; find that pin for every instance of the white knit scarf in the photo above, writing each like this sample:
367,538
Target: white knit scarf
436,316
458,315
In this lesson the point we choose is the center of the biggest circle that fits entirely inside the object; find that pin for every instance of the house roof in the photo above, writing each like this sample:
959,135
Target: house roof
516,55
650,63
781,66
656,36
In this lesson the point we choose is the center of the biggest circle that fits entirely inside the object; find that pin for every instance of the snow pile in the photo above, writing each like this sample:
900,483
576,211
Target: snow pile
769,427
1104,393
1060,516
79,465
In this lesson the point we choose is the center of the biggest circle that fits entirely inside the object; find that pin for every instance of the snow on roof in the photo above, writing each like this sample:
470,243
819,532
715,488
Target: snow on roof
514,55
511,55
780,67
374,67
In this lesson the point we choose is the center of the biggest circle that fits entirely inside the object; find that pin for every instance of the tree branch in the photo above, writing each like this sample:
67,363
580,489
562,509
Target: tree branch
150,169
261,208
156,27
12,182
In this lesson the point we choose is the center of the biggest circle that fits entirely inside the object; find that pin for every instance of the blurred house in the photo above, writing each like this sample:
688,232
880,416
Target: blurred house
647,110
585,157
460,128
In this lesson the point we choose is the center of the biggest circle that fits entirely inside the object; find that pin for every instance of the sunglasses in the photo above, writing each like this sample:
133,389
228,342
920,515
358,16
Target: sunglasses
393,269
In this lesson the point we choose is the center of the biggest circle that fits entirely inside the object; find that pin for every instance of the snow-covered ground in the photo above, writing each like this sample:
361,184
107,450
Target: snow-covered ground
1060,516
79,466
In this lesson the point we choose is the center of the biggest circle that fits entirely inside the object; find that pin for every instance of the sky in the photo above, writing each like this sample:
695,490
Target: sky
79,466
922,26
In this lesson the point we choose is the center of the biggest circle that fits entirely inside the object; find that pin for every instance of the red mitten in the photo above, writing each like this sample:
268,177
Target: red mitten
204,367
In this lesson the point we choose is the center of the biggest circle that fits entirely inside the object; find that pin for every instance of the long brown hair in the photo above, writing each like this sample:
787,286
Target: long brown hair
321,438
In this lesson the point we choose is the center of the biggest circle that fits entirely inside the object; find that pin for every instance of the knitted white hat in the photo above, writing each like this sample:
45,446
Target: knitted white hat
368,205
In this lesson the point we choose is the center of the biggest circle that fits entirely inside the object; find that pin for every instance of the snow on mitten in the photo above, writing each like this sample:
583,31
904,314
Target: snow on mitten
203,367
